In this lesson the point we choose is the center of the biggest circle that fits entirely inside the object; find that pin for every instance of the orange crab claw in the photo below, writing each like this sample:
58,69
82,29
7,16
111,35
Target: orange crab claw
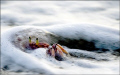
64,51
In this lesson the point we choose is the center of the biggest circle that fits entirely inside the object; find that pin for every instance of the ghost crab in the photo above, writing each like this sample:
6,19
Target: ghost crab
56,50
36,45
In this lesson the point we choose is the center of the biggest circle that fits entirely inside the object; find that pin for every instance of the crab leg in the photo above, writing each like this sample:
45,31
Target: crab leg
62,49
53,52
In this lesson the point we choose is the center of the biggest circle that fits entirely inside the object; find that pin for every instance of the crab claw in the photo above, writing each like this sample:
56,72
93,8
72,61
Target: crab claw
60,51
64,51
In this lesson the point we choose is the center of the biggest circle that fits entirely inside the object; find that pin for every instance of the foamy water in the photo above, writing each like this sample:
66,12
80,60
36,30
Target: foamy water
38,62
88,20
60,12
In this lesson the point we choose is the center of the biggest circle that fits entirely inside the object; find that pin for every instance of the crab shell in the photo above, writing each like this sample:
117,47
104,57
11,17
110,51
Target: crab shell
40,45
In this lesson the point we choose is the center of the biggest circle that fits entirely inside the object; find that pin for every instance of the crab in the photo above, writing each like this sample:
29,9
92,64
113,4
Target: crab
56,50
38,44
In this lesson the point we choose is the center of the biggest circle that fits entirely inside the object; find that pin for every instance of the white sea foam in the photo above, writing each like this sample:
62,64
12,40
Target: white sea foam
101,24
60,12
105,36
38,62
